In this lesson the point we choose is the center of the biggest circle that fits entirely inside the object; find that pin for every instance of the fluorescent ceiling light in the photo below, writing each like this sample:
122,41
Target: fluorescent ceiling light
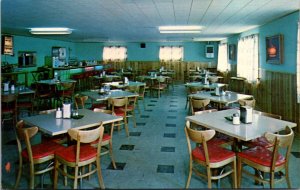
180,32
190,29
49,31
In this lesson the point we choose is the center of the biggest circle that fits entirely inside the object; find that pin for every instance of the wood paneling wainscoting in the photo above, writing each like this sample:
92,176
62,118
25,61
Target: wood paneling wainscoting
274,93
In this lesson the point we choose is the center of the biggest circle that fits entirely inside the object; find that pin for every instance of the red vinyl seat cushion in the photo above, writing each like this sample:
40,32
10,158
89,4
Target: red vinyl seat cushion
261,141
43,150
119,112
106,137
216,154
69,153
261,155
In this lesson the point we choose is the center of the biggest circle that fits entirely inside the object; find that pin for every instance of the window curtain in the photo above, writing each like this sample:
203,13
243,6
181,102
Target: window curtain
222,58
114,53
247,58
298,64
170,53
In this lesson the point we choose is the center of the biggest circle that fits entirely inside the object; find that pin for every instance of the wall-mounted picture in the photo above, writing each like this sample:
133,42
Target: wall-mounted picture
274,49
232,52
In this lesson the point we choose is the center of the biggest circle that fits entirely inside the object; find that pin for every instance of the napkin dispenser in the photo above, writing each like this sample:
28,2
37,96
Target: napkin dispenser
217,91
6,87
246,114
66,110
126,81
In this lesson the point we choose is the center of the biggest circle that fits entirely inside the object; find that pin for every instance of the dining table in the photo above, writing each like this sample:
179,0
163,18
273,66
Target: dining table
49,124
220,121
210,86
97,95
224,99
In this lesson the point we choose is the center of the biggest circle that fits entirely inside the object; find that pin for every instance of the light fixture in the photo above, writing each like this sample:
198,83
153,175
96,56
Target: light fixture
189,29
50,31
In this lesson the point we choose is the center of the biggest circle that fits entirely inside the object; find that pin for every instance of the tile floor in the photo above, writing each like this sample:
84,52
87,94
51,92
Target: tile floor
154,156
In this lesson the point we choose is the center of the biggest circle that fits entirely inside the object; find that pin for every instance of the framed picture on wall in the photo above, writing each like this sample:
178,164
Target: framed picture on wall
232,52
274,49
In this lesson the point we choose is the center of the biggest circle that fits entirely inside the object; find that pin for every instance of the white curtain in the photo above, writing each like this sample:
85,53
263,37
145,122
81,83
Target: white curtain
298,64
222,58
247,58
170,53
114,53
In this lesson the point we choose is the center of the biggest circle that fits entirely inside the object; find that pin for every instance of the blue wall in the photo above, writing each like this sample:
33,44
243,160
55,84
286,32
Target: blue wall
43,47
287,26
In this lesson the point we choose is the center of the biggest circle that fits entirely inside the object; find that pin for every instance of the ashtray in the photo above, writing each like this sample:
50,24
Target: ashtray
77,116
229,118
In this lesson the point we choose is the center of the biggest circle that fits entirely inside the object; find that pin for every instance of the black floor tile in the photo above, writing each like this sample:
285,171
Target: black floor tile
127,147
148,110
153,100
140,124
165,169
170,125
173,106
135,134
296,154
167,149
120,166
145,116
172,110
170,135
173,101
171,117
151,105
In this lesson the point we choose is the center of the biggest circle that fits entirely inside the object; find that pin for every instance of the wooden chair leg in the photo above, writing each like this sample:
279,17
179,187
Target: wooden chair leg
239,172
190,174
234,174
56,165
111,155
272,180
208,170
19,173
76,177
133,119
100,178
287,177
31,183
126,126
66,178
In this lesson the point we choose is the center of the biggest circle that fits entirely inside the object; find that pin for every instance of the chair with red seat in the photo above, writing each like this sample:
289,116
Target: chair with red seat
261,141
107,139
208,156
9,107
266,160
80,155
35,155
119,107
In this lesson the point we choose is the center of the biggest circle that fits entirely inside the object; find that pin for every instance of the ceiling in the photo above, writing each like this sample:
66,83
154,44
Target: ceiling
138,20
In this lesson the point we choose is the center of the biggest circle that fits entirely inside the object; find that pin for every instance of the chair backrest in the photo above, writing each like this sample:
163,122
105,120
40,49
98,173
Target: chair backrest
119,102
25,134
47,111
87,136
134,89
142,91
103,111
9,100
282,143
267,114
248,102
198,137
80,100
193,90
198,104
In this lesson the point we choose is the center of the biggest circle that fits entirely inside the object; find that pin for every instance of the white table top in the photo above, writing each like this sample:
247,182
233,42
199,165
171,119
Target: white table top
130,83
94,95
54,81
206,86
18,90
48,124
230,97
259,126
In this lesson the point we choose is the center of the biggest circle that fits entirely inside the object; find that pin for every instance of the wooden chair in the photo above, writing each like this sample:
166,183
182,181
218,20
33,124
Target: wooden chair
198,104
159,85
119,107
208,156
261,141
80,155
44,93
268,161
142,91
9,108
36,155
80,101
107,139
66,91
25,103
247,102
191,90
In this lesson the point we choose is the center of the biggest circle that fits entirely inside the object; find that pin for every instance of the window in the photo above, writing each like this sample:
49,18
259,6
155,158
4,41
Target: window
170,53
222,58
247,58
298,65
114,53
